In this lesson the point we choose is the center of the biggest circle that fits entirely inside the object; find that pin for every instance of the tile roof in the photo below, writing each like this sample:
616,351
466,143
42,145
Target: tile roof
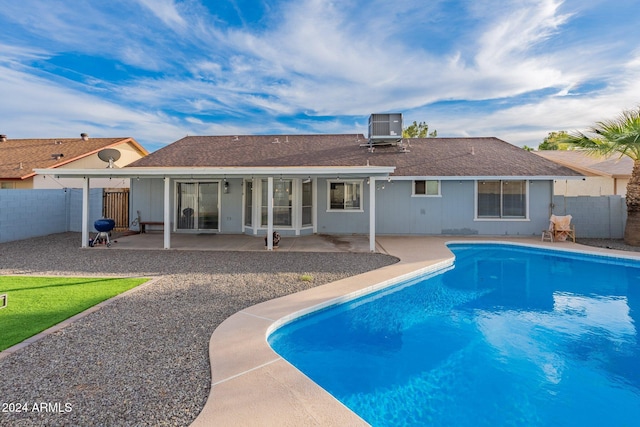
424,156
584,162
18,157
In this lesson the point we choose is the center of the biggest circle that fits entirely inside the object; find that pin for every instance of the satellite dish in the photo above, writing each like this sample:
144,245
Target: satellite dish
109,155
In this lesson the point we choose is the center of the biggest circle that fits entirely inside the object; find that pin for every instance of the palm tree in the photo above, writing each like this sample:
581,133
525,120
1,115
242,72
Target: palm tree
621,136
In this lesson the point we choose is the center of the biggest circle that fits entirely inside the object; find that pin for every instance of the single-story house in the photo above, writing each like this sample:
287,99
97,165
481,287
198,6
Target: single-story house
19,158
341,184
603,175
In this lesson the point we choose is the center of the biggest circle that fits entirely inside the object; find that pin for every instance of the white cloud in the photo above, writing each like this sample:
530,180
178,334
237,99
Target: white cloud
321,58
166,11
15,54
528,123
512,34
41,109
329,64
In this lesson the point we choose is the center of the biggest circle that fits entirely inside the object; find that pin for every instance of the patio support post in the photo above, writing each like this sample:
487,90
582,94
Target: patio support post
372,214
167,214
270,213
85,212
314,210
256,216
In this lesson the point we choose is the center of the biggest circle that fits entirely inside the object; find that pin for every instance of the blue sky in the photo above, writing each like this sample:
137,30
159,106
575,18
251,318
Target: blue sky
158,70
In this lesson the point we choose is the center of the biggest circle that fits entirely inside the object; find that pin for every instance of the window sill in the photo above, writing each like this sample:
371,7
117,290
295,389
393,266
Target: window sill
503,219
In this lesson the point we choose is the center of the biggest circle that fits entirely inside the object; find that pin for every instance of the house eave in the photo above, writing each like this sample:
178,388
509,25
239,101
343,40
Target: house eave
197,172
485,177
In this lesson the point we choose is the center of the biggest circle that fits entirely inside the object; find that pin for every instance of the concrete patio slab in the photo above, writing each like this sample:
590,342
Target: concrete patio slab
240,242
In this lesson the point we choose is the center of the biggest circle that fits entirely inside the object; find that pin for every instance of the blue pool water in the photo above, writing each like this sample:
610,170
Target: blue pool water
509,336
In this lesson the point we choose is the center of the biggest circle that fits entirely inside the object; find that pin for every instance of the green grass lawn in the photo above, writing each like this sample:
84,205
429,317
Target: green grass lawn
37,303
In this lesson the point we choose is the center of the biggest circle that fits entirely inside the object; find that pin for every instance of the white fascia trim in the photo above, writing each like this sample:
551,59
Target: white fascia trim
157,172
481,178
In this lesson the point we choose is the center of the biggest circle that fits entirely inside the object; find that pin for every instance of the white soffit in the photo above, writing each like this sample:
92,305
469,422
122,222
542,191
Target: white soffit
218,171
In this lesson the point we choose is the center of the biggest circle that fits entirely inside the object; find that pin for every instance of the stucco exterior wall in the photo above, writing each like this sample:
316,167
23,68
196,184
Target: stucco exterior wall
128,154
51,182
453,212
620,186
22,184
398,213
338,222
589,186
231,207
147,196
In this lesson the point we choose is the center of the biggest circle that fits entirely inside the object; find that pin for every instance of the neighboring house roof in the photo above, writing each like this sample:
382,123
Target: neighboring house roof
437,157
18,157
614,166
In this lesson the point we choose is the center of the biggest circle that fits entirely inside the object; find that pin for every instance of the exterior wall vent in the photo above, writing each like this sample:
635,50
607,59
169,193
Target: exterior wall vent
385,129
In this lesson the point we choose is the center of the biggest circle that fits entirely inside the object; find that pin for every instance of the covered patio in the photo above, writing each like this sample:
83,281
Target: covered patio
169,176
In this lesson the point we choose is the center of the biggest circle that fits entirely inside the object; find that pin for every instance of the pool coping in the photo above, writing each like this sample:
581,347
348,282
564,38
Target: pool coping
252,384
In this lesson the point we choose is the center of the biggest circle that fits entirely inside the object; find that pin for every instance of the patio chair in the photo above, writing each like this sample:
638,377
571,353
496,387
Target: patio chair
561,228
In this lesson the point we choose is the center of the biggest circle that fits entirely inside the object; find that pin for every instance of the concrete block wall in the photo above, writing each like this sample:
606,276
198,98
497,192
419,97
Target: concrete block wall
594,217
75,208
33,213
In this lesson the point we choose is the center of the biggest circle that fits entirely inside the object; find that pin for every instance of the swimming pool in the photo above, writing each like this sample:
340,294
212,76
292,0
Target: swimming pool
509,336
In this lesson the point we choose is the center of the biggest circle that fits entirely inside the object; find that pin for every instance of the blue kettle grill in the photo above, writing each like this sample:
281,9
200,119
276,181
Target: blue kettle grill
104,227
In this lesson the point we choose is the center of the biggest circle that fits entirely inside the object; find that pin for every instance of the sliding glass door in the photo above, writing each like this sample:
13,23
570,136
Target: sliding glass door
197,205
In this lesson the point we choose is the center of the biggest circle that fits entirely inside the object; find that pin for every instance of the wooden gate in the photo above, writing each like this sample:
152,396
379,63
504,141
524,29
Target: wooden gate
115,205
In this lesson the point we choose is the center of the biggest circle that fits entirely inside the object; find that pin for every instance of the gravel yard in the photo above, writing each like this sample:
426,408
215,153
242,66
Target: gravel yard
617,244
143,360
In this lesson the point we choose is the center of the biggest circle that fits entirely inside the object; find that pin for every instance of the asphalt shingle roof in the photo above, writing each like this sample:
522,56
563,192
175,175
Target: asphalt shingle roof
423,156
582,161
18,157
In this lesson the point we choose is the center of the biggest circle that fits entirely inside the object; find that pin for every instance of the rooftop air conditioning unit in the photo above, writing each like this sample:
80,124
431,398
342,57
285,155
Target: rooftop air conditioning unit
385,129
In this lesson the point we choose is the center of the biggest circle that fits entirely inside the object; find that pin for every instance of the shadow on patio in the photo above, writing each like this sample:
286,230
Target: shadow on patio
239,242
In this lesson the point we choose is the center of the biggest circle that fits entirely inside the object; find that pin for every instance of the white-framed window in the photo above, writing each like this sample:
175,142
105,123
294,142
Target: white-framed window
282,203
425,187
501,199
345,196
248,203
307,203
